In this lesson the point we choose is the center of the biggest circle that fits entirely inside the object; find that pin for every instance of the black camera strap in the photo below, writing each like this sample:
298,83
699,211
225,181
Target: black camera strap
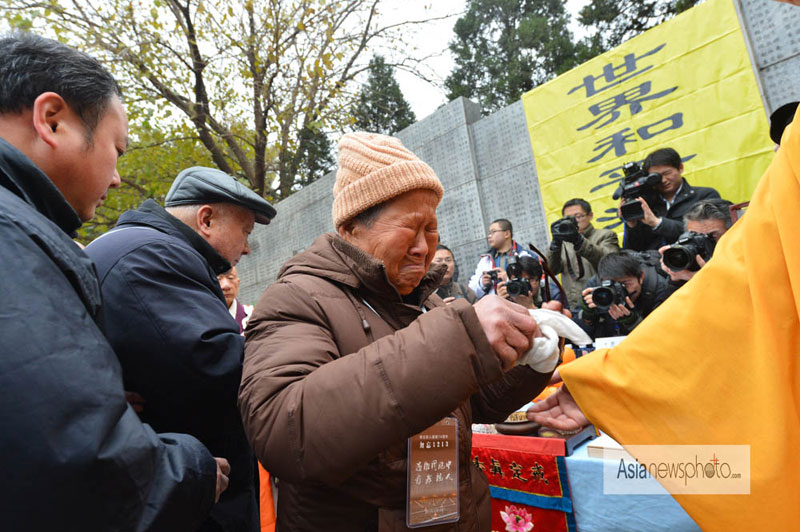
548,275
570,269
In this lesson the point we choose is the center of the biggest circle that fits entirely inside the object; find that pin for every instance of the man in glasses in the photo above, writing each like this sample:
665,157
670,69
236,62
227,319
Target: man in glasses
577,247
492,265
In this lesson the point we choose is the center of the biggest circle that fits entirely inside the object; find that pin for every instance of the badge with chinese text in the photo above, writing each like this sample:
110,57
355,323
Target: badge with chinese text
433,475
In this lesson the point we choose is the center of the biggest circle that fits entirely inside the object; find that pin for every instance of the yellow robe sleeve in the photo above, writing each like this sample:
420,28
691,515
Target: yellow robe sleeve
717,363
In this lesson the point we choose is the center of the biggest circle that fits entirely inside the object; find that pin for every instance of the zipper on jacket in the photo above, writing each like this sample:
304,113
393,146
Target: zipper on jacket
364,323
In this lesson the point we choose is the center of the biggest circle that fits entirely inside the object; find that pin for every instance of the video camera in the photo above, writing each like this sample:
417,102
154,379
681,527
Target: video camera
517,285
636,183
681,254
609,293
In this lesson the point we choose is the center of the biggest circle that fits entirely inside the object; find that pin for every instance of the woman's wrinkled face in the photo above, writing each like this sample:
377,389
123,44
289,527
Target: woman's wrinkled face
403,235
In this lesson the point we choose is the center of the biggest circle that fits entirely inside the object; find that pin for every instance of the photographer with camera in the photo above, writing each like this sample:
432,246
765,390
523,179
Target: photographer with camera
577,247
449,289
621,295
658,219
705,223
523,286
492,265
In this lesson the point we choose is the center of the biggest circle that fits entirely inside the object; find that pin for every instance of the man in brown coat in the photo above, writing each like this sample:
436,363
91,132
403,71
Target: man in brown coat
575,253
349,354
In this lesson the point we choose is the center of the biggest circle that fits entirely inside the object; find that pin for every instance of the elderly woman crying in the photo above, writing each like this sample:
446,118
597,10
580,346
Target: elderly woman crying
349,354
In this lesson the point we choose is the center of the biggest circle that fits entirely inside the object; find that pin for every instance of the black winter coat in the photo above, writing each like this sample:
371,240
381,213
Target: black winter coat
599,324
179,347
74,455
642,237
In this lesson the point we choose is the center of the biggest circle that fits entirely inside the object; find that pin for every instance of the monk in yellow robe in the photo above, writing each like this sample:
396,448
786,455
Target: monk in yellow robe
717,363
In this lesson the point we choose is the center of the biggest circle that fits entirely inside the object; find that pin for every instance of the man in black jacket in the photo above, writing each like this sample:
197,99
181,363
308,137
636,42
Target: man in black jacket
712,218
653,232
179,347
643,290
74,454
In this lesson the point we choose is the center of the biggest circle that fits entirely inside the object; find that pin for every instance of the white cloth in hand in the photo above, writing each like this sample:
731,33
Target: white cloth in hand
543,356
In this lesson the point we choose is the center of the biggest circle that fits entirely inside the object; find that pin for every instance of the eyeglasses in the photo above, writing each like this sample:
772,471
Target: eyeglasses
580,217
493,231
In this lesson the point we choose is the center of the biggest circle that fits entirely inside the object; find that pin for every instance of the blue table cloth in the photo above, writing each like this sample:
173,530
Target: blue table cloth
597,512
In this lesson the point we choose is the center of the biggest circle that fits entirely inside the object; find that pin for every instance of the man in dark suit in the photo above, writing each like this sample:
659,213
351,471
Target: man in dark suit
167,319
75,457
678,196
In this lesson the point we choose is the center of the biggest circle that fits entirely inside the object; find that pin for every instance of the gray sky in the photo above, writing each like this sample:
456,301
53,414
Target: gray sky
430,42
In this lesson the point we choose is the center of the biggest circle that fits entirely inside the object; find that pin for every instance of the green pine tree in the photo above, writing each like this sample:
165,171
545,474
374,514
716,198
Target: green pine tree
316,157
381,107
504,48
614,22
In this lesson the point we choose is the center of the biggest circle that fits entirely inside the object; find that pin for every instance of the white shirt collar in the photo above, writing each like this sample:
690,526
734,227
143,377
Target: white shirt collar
669,203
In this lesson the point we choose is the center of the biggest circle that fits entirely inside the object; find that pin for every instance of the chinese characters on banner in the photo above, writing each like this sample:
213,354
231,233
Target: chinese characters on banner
529,490
685,84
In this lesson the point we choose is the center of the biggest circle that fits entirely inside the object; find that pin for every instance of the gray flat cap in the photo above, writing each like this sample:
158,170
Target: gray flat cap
198,185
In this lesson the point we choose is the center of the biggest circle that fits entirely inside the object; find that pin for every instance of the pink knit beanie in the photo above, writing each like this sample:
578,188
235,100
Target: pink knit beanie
373,169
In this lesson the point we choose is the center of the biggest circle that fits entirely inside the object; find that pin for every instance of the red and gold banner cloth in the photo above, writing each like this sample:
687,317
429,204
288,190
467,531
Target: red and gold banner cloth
528,482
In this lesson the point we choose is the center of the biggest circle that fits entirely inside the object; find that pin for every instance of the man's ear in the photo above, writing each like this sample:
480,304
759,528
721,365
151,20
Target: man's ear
50,113
204,218
680,169
347,229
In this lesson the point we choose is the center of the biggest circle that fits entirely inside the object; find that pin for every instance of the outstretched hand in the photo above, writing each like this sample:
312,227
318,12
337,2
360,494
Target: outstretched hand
559,411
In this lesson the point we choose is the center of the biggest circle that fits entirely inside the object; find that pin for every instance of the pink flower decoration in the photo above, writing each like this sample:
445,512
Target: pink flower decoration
517,519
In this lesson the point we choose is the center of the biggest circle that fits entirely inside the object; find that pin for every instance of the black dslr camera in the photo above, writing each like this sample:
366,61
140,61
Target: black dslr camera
680,255
565,229
517,285
609,293
638,184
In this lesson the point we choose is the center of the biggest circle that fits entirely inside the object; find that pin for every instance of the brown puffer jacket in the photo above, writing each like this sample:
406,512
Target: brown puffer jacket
339,371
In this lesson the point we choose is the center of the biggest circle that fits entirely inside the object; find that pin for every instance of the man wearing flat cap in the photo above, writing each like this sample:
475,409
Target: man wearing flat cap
167,320
350,353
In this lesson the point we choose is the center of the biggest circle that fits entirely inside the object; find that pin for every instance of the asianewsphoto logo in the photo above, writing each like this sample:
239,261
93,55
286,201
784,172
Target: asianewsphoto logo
683,469
686,471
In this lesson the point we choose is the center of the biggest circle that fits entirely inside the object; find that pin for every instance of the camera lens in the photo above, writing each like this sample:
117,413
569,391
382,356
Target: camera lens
603,297
679,257
517,287
565,227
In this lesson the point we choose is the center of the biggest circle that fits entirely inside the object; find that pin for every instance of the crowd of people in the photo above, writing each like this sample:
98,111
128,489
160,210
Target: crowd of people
140,394
634,276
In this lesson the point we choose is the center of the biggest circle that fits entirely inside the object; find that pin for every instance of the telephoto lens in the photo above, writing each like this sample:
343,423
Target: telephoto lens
681,255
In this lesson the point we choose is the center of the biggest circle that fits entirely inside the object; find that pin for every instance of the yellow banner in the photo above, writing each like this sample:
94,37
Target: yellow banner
687,84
